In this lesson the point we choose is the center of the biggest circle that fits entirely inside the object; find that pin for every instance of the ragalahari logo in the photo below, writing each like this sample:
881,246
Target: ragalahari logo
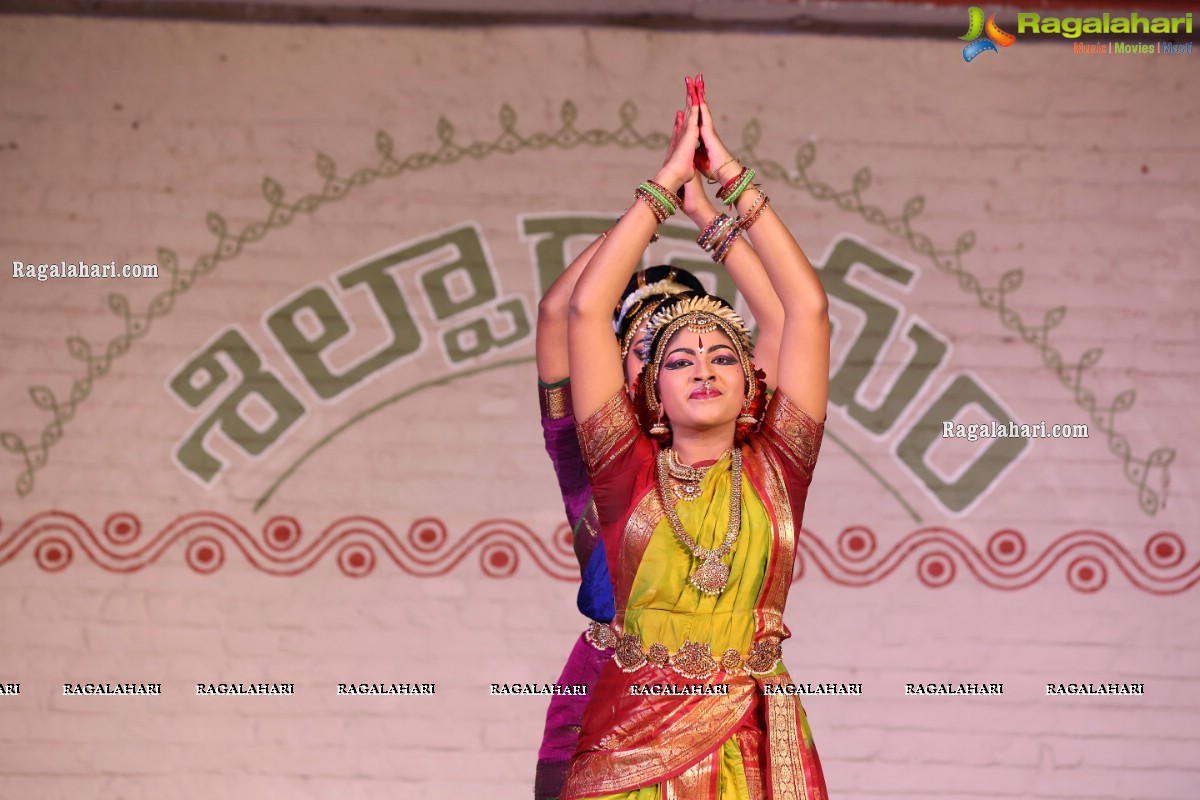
991,31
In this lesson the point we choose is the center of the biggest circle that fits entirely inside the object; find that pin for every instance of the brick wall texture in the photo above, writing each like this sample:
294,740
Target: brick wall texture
1013,238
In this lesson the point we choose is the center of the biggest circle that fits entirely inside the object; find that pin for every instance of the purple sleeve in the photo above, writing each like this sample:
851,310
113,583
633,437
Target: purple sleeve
562,445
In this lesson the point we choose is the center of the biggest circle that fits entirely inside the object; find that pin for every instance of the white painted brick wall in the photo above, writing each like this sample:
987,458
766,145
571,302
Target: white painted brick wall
1080,170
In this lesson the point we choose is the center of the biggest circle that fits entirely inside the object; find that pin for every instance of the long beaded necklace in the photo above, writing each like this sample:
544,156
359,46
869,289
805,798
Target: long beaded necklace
712,575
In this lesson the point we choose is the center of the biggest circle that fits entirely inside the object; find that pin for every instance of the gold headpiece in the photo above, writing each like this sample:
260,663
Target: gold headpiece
666,287
639,304
699,315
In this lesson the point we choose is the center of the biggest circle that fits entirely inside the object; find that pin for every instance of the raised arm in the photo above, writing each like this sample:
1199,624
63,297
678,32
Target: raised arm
742,263
594,355
551,338
803,373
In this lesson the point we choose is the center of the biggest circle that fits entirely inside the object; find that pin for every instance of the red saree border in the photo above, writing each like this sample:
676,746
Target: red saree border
638,530
787,771
763,475
697,782
658,738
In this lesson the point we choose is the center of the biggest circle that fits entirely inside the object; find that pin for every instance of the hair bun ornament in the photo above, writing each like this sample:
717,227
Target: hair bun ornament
643,294
663,288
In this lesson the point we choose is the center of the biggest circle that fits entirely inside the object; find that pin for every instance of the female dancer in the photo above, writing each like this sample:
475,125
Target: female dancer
642,295
699,495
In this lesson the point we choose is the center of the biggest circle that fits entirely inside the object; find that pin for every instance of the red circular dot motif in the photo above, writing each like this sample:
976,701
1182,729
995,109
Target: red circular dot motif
856,544
205,555
1087,574
53,555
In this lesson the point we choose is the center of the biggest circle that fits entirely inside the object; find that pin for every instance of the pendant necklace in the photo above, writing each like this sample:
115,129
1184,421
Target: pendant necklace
712,575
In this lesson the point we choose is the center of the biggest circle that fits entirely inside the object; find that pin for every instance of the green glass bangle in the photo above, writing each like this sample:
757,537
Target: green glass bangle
654,204
660,197
742,185
675,199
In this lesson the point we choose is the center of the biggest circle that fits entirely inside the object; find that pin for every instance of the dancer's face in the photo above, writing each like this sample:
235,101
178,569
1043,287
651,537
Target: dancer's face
701,383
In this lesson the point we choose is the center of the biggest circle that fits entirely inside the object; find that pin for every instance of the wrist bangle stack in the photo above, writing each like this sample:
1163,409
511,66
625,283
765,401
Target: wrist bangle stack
723,248
718,236
673,199
661,212
713,232
729,184
755,211
660,200
732,190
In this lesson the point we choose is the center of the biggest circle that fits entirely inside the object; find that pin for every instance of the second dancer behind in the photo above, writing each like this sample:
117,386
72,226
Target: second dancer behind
594,600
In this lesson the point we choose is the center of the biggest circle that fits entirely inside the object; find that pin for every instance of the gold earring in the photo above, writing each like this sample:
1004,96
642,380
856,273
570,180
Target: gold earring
746,418
660,428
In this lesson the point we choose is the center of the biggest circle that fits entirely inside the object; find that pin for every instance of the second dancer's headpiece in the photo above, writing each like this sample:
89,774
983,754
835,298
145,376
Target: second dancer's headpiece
645,291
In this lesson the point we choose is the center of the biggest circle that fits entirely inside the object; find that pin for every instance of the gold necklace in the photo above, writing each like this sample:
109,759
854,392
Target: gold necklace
712,575
685,479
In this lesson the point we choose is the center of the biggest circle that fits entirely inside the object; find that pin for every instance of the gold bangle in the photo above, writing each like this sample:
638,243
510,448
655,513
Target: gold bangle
713,177
671,196
758,201
750,218
660,211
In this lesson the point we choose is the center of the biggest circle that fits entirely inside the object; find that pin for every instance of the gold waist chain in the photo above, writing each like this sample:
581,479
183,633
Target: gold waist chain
693,660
